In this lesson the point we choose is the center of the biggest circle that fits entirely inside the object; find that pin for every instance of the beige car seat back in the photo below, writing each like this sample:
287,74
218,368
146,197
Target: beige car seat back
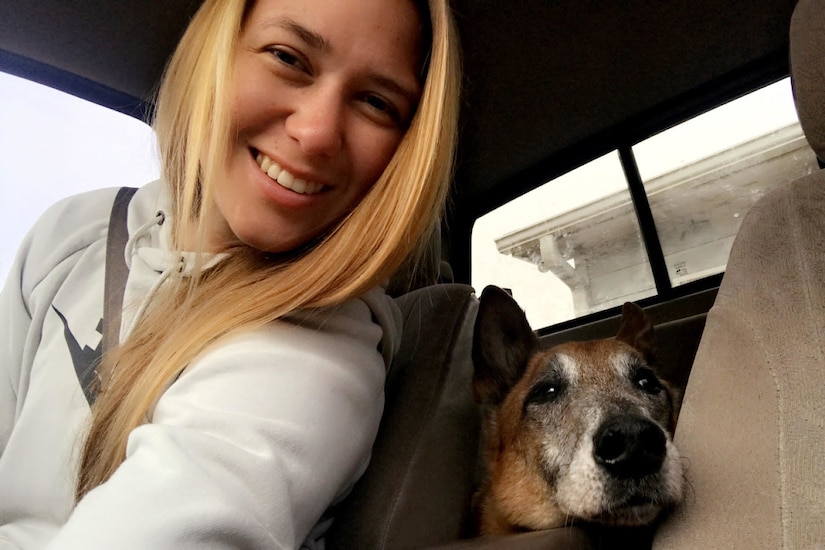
752,426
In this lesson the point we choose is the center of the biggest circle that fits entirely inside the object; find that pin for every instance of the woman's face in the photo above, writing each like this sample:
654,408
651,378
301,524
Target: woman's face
322,93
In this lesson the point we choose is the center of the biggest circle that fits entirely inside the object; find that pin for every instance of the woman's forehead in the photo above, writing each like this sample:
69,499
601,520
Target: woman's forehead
384,34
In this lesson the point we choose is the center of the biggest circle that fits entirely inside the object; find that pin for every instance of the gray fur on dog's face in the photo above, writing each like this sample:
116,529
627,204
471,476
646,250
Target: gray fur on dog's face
579,401
577,432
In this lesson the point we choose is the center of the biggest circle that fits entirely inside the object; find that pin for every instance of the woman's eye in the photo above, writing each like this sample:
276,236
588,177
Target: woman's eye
382,107
378,103
287,58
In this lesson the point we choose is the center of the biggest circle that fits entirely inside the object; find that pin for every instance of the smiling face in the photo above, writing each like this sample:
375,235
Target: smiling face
322,93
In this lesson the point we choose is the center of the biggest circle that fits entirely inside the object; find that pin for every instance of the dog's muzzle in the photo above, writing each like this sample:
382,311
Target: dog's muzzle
629,446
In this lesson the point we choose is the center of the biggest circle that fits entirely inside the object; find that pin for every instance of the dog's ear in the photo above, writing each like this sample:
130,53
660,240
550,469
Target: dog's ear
502,344
636,329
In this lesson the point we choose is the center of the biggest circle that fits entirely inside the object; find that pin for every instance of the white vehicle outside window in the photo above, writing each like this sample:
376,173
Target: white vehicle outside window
703,176
573,246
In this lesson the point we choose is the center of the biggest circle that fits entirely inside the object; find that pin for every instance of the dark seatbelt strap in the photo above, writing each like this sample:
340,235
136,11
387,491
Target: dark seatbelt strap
116,269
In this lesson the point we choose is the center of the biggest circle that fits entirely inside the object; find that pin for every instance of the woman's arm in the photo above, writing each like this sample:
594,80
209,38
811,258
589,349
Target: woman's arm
251,444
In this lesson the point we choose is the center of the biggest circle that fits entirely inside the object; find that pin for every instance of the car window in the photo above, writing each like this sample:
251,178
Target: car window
573,246
554,249
53,145
703,176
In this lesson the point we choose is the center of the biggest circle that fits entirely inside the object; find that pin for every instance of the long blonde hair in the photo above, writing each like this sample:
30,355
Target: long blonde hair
248,290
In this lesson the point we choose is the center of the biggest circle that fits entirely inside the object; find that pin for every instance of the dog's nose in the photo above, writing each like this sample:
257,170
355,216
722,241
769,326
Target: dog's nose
629,446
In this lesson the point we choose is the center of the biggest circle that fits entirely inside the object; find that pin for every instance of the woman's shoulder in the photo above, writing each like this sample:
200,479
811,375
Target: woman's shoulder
372,318
68,227
87,209
339,345
65,228
361,333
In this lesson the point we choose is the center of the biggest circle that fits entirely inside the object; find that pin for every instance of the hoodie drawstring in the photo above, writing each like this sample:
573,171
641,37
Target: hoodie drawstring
158,220
128,251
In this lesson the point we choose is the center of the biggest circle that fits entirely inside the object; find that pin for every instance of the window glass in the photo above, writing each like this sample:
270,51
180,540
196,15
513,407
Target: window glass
703,176
566,249
53,145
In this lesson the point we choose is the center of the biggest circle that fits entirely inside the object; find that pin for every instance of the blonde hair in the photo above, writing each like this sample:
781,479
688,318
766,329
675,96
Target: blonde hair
393,221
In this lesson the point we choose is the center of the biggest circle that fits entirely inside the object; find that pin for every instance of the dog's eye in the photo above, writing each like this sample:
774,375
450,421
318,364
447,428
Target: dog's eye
647,381
544,392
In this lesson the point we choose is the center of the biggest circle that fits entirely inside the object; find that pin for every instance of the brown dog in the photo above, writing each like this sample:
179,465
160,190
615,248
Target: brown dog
579,432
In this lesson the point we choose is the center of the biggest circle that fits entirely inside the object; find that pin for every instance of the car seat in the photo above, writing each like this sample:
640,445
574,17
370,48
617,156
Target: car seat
752,426
758,380
428,438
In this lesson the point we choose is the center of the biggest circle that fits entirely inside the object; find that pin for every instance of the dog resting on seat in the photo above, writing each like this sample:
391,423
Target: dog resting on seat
578,432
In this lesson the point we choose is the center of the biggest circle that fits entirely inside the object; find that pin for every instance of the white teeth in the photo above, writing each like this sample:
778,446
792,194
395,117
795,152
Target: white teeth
299,186
284,178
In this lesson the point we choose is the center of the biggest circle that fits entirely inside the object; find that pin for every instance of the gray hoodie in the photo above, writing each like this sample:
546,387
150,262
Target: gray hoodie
247,449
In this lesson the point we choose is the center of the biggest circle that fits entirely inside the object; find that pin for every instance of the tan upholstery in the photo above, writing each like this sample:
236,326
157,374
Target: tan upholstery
808,70
752,425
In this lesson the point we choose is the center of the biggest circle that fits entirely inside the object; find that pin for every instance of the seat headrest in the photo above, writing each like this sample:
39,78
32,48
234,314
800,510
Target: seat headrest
421,269
807,57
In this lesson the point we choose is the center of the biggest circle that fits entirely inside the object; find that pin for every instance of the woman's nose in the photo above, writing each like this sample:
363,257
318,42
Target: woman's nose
317,121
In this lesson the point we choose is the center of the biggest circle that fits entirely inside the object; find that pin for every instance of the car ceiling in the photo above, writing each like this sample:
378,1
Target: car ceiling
547,82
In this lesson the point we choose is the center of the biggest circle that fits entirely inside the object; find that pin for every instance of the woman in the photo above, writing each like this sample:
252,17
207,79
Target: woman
306,148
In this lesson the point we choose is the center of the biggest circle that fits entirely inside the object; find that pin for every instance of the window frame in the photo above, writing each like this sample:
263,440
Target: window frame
622,138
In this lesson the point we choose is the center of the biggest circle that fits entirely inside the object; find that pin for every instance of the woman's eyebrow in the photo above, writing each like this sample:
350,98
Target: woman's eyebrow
311,38
397,87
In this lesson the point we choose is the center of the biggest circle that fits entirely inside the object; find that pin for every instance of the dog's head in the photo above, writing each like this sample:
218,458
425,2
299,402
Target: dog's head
581,431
